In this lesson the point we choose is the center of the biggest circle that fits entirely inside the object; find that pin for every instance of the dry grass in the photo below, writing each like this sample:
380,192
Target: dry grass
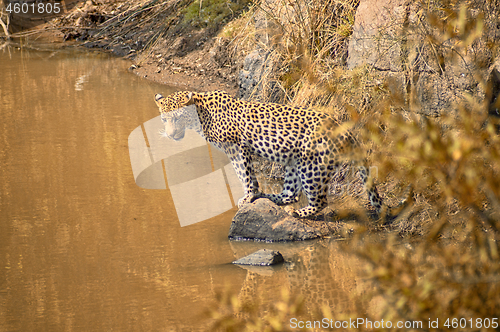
450,158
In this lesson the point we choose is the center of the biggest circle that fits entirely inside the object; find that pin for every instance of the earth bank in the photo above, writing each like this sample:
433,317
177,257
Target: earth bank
230,45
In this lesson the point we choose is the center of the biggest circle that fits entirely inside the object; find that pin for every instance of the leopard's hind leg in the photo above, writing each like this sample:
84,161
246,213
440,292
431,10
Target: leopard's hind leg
291,188
371,190
315,181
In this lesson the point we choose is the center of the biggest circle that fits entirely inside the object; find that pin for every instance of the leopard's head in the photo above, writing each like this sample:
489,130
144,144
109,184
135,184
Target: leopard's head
174,101
174,118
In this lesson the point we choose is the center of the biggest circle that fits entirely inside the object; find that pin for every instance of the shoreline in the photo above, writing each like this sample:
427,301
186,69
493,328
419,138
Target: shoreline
180,56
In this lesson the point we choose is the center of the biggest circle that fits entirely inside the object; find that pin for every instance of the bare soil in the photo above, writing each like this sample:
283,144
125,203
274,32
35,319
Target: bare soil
153,36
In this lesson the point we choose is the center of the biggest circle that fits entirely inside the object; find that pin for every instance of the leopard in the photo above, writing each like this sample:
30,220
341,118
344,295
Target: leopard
310,144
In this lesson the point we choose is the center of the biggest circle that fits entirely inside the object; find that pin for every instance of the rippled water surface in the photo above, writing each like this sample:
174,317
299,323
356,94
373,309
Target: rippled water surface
82,247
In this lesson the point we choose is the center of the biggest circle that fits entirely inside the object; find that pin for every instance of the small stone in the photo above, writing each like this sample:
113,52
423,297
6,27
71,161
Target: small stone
263,257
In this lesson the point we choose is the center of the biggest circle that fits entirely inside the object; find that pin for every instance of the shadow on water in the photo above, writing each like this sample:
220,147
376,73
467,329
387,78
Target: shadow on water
82,247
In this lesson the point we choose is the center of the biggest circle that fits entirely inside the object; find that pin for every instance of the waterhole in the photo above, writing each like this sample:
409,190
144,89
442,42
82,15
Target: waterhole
82,246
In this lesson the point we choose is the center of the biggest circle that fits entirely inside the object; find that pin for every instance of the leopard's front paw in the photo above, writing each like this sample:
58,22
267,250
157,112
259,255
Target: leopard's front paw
256,196
244,201
247,199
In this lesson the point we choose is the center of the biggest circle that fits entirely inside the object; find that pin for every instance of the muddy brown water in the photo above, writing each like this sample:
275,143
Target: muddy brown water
82,247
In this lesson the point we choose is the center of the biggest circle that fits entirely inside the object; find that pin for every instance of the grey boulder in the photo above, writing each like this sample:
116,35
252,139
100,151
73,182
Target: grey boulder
263,220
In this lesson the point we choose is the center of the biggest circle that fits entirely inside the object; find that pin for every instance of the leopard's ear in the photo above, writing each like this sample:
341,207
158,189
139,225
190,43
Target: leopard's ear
159,99
189,98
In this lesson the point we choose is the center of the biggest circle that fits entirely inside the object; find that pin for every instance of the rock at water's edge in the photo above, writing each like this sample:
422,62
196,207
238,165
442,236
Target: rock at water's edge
264,220
263,257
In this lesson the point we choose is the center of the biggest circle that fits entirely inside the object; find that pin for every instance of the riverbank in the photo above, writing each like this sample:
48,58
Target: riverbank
153,36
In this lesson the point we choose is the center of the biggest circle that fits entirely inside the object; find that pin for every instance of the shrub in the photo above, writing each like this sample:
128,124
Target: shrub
449,159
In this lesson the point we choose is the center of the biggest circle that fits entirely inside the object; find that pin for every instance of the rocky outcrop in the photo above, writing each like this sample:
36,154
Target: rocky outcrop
394,37
256,79
377,35
493,94
263,257
250,77
263,220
